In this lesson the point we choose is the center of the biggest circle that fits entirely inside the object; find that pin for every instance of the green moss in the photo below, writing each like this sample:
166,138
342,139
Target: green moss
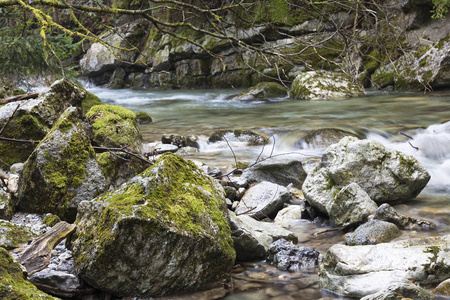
13,235
143,117
51,220
89,101
115,126
173,198
13,285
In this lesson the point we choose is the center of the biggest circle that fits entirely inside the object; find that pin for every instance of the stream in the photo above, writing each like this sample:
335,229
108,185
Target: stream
388,118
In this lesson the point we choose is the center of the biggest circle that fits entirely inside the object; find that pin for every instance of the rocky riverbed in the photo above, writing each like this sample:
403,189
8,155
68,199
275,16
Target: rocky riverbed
152,223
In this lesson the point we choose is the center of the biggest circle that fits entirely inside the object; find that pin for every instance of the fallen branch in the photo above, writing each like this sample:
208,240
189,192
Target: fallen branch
124,151
20,97
18,140
326,230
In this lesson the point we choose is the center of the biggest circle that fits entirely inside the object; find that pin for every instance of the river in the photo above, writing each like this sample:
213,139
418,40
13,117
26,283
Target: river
387,118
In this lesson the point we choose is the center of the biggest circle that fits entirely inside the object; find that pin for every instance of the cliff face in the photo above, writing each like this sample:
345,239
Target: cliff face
385,44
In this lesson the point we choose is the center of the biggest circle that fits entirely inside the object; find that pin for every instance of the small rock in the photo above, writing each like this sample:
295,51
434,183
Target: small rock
288,257
387,213
443,288
372,233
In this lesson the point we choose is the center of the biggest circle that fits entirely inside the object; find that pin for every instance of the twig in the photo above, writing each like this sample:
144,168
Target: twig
234,155
9,119
417,148
20,97
243,213
124,151
18,140
402,133
326,230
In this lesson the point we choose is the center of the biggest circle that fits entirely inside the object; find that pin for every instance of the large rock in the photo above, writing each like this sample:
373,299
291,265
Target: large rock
263,200
263,90
162,233
324,85
358,271
13,284
115,127
62,171
14,235
323,138
6,205
282,170
252,238
385,175
34,118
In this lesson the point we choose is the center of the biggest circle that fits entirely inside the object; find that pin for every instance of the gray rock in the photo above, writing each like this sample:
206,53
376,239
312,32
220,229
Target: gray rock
282,170
384,174
263,199
163,232
372,233
324,85
401,291
358,271
387,213
252,238
289,257
351,207
289,214
62,171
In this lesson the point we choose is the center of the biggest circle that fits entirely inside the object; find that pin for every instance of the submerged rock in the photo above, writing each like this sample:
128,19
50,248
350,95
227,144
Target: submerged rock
288,257
324,85
12,281
250,137
372,233
263,200
401,291
263,90
385,175
62,171
323,138
164,232
358,271
252,238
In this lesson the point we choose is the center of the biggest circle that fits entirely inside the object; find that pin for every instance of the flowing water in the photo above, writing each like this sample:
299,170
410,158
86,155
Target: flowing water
387,118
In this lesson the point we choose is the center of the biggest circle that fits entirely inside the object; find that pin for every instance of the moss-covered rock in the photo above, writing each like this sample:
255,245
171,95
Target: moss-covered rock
8,89
89,101
143,117
322,85
13,285
34,118
13,235
115,127
6,205
62,170
162,233
51,220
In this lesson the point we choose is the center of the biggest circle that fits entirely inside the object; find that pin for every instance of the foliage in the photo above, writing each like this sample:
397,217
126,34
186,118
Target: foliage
440,8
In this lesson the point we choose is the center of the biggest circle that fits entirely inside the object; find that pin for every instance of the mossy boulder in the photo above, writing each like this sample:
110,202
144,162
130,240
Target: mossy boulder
34,119
51,220
89,101
62,170
13,235
250,137
263,90
13,284
162,233
115,127
324,85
